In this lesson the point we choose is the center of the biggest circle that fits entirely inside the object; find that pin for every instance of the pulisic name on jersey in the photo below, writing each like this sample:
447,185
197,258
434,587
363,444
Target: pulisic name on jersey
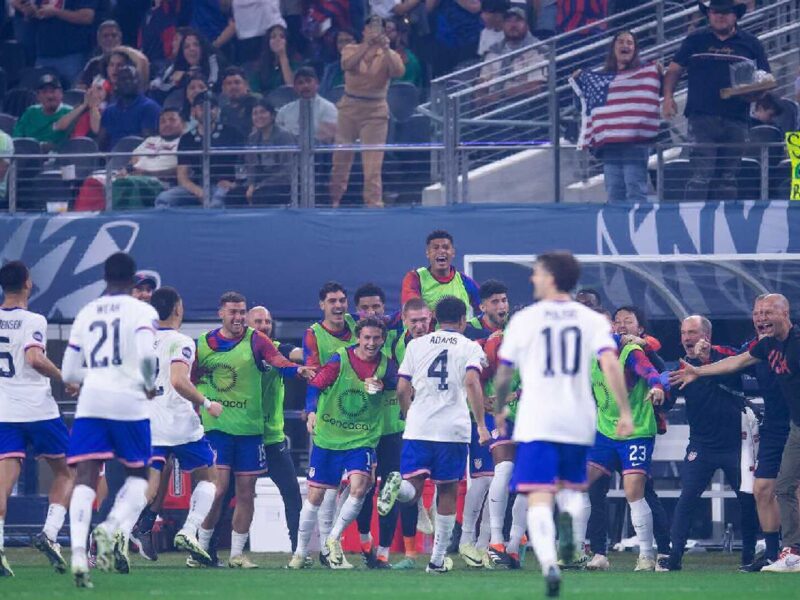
15,324
559,314
443,339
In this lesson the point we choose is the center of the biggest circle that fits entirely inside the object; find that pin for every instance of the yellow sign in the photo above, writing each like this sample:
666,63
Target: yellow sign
793,148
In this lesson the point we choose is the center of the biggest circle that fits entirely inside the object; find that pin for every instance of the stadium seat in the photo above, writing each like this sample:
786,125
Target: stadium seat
17,100
7,123
12,59
789,120
749,179
676,173
766,134
83,165
403,99
780,180
335,94
126,144
27,171
74,97
282,96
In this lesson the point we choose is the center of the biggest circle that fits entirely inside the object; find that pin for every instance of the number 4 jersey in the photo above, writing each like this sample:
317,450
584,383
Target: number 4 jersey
436,364
104,333
25,394
553,344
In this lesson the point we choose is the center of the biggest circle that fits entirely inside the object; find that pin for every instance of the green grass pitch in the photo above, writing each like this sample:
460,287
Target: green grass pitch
705,576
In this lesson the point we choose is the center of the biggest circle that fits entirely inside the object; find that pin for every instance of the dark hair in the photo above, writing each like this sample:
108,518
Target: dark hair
200,99
231,71
268,62
164,300
119,268
266,105
590,292
564,268
770,102
490,287
637,312
369,289
206,50
610,65
450,310
231,297
438,234
495,6
13,276
329,288
187,107
106,60
371,322
169,109
414,304
306,71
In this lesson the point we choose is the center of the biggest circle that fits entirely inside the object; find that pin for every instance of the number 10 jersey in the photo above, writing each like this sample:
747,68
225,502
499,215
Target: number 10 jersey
436,365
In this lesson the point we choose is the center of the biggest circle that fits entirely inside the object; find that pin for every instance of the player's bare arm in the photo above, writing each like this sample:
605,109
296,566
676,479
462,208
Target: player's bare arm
179,377
37,360
689,373
472,384
405,394
609,363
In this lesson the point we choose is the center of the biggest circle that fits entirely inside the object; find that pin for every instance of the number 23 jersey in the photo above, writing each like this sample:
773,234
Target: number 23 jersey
436,364
553,344
104,332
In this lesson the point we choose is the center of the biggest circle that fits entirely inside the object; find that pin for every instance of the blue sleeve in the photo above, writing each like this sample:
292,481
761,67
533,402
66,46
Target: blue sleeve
312,398
390,377
474,293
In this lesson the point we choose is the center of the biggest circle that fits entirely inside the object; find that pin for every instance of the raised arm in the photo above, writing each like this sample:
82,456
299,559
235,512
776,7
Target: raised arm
689,373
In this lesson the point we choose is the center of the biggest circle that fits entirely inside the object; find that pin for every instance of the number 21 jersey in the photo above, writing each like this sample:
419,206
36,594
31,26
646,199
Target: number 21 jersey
104,332
553,344
436,365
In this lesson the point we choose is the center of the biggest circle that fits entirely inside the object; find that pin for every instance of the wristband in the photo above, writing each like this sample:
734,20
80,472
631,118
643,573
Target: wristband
206,403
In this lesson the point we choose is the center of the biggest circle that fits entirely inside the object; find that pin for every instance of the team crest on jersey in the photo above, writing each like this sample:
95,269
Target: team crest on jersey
223,378
37,335
187,352
691,456
478,462
353,403
311,471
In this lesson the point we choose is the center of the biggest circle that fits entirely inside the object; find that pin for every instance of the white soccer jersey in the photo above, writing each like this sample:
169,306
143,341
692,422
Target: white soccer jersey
104,332
25,394
173,419
553,344
436,364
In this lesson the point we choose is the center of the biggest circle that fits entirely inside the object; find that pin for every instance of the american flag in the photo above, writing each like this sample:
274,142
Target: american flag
618,107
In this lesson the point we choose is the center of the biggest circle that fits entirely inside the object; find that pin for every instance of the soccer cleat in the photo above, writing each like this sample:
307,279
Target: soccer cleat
599,562
369,557
104,555
5,568
80,571
51,550
297,562
577,563
471,555
323,560
445,567
515,563
241,562
309,562
566,542
424,522
665,565
407,564
645,563
388,495
788,562
552,582
335,552
188,543
122,563
144,544
382,564
756,566
498,555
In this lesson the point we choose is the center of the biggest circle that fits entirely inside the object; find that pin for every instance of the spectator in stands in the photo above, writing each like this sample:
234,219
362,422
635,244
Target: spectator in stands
576,14
268,173
109,65
38,120
196,86
212,19
237,101
324,114
84,119
332,74
277,63
132,113
493,16
24,24
457,30
109,37
253,20
158,31
765,110
415,14
707,54
516,35
546,14
363,110
397,32
6,150
64,35
189,191
194,56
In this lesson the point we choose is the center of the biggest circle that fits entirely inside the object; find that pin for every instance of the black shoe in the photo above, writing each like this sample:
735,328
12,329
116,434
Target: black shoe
566,543
323,560
553,582
755,566
144,542
667,564
382,564
51,550
498,555
370,558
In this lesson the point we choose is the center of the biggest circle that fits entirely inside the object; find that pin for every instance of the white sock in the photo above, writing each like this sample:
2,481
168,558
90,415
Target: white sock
80,517
441,540
327,512
2,534
383,552
543,532
519,513
407,493
128,504
54,521
204,537
308,521
365,538
642,519
473,503
347,514
484,531
238,540
199,507
498,499
579,507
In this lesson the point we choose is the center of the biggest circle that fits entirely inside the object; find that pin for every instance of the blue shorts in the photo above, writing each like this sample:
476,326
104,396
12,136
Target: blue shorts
325,467
191,456
443,462
628,456
480,457
770,451
100,439
544,466
243,454
502,440
49,438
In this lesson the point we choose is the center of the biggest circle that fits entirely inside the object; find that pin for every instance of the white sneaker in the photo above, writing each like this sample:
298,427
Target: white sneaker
599,562
424,522
645,563
788,562
471,555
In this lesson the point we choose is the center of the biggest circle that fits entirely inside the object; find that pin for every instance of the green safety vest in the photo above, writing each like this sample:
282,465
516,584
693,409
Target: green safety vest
394,347
347,416
433,291
233,379
644,420
272,395
328,344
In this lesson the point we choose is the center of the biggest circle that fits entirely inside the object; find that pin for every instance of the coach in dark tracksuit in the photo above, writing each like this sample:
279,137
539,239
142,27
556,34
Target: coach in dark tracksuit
714,411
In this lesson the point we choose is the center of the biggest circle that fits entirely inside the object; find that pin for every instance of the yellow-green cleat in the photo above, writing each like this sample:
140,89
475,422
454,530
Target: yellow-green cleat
5,568
241,562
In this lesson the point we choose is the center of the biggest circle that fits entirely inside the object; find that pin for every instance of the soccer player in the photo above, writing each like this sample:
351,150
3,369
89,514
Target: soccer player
279,459
229,365
345,407
494,311
441,373
28,412
553,343
336,330
113,337
439,278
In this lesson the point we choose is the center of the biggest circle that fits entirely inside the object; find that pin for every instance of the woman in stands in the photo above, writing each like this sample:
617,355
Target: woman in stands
195,55
397,31
277,63
194,87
